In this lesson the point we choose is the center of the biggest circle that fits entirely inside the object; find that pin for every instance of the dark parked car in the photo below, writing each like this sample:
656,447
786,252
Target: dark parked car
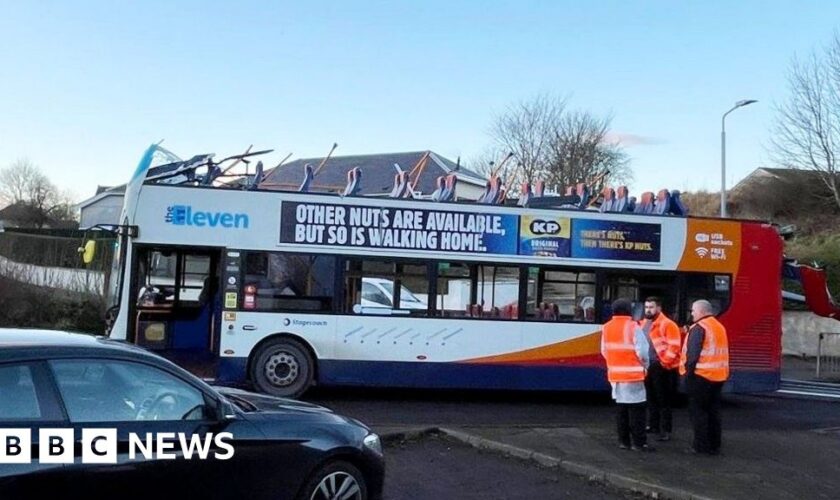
281,448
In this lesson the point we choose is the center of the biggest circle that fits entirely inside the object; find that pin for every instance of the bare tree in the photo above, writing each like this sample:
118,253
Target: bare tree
807,130
581,152
24,184
554,144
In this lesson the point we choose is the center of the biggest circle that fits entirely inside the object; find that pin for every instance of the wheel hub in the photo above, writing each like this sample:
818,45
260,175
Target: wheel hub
282,368
337,486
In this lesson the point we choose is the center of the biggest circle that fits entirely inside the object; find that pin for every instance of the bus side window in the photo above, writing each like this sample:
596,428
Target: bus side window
714,288
384,287
291,281
454,290
560,295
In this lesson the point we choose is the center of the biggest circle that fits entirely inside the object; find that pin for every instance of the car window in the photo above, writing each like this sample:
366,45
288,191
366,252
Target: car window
118,391
18,399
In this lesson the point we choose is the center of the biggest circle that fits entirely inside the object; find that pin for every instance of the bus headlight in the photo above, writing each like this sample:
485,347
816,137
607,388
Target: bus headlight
373,442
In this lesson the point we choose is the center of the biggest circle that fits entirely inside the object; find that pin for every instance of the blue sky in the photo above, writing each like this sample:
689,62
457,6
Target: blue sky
86,86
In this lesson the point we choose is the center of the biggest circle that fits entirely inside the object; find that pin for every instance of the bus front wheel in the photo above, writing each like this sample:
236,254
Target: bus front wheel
282,367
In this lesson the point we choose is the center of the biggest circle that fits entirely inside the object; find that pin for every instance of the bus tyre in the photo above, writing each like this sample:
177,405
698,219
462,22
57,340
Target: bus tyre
335,480
282,367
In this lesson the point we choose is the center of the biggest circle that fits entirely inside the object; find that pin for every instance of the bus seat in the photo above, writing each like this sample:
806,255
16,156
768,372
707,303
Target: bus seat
631,204
539,189
500,199
450,182
350,176
645,205
395,191
354,177
609,200
441,185
582,190
308,176
677,207
524,194
400,185
620,204
663,202
254,182
492,191
483,198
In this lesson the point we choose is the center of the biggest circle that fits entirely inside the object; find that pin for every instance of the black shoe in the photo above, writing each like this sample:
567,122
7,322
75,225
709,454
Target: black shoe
650,430
665,436
643,448
624,446
691,451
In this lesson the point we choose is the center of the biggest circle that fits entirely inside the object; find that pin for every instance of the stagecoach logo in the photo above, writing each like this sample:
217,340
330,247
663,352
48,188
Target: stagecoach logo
545,227
186,215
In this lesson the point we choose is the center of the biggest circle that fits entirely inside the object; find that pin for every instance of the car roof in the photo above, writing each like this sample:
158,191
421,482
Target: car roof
14,342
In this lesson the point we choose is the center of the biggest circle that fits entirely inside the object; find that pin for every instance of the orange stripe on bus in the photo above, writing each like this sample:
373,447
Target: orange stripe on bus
582,346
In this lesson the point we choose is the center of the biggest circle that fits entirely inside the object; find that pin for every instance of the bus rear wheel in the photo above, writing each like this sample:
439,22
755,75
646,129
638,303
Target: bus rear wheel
282,367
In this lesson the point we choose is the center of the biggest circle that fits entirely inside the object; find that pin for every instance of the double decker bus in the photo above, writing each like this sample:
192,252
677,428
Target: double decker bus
283,290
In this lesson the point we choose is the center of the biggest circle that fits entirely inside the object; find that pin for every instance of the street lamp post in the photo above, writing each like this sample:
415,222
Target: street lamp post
737,105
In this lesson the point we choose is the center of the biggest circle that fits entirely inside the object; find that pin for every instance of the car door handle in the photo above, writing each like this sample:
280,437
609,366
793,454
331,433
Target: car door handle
249,328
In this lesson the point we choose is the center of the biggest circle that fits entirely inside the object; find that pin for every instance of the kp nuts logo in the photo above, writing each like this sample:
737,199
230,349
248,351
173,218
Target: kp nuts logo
186,215
99,446
545,227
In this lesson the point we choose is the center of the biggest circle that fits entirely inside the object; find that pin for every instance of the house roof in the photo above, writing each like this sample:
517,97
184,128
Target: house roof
377,172
102,192
790,175
19,211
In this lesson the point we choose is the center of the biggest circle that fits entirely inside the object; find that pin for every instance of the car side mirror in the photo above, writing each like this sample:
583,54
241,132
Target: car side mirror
225,411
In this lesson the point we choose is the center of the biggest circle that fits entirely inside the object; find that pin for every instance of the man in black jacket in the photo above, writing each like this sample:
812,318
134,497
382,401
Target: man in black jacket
705,365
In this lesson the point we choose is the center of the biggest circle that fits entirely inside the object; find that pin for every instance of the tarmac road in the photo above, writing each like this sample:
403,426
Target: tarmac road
775,446
438,468
392,408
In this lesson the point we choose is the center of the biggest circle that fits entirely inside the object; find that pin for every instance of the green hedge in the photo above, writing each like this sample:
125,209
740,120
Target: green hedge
26,306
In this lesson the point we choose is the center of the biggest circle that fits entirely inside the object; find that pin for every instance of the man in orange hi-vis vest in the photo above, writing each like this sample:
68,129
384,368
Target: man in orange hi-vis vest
662,376
625,348
705,364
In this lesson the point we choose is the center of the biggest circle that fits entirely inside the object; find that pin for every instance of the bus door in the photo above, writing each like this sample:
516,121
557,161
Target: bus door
178,305
636,287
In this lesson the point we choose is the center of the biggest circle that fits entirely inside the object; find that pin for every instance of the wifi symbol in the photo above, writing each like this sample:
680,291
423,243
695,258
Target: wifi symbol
701,251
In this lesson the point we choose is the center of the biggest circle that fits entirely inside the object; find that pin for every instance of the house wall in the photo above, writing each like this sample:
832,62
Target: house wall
104,211
465,191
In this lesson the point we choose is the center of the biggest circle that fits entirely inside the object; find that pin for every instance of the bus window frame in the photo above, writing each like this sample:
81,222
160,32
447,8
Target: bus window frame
601,275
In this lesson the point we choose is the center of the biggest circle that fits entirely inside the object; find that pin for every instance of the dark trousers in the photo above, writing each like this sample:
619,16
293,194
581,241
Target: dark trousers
661,385
631,424
704,407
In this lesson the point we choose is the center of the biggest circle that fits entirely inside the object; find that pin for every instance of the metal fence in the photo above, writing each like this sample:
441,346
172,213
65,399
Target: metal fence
828,362
55,248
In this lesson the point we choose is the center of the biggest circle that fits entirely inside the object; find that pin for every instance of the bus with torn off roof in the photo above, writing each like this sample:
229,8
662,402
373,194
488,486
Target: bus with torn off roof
283,290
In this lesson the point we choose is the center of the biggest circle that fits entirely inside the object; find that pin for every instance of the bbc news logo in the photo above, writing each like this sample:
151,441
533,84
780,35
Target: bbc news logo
99,446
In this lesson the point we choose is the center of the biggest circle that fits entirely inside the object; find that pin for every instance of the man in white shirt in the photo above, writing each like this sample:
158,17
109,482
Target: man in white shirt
625,347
